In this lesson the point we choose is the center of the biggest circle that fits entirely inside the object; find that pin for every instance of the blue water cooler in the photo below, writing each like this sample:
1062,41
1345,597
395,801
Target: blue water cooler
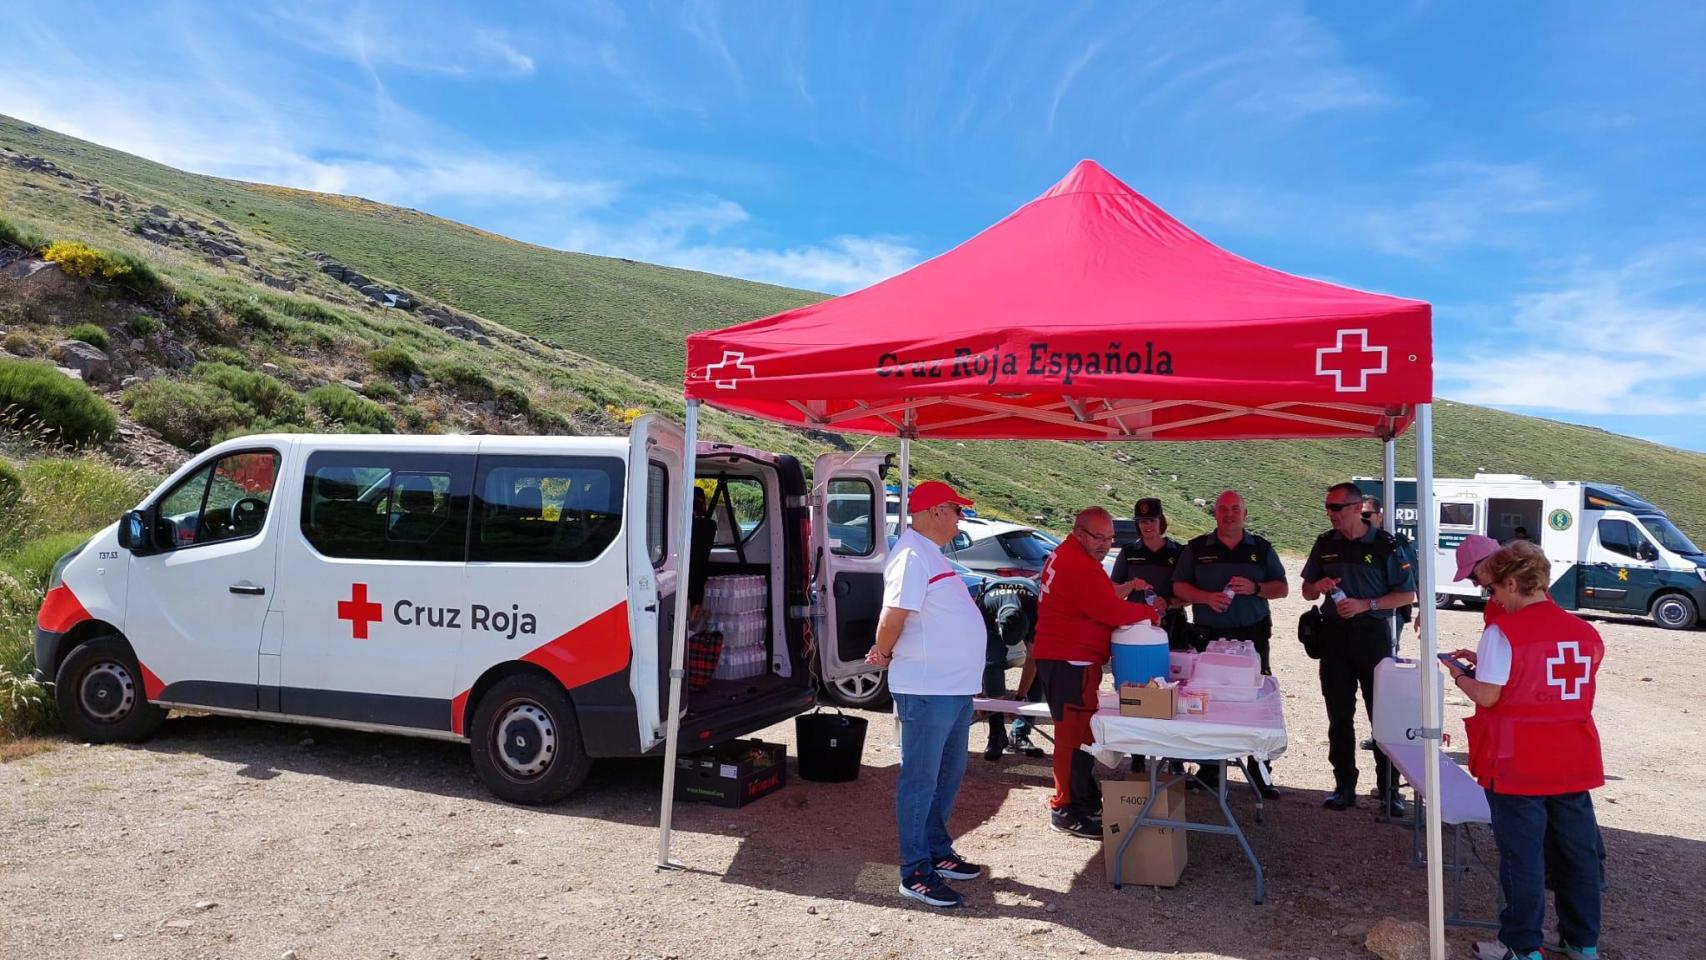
1140,654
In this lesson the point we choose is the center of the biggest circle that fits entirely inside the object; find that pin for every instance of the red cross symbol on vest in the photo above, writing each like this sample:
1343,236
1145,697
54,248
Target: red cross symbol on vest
1350,361
359,612
732,370
1568,671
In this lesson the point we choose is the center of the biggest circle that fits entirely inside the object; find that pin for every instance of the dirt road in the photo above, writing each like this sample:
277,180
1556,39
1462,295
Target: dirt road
227,838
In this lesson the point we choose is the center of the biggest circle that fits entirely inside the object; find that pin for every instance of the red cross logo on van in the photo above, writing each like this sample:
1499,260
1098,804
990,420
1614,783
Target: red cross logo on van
1351,363
359,611
1569,682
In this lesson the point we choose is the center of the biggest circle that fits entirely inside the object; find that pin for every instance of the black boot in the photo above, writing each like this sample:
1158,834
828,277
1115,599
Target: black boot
997,740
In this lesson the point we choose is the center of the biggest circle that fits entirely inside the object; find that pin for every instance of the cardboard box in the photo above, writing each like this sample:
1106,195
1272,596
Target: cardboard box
733,774
1141,701
1156,856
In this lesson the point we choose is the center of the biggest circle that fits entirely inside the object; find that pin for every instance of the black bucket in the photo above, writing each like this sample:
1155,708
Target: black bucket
831,746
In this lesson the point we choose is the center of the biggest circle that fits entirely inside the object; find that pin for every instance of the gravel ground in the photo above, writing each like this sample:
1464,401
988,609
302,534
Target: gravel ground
227,838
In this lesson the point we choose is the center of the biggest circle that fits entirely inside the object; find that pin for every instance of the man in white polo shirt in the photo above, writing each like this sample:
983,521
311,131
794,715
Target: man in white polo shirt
931,639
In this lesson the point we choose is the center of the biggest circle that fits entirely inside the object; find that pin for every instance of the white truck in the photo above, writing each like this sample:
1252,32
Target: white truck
1609,547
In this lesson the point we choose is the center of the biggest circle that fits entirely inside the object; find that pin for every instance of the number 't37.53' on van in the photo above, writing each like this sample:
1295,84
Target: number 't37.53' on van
516,593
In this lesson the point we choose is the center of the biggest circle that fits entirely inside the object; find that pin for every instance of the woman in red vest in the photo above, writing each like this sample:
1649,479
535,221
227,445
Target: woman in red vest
1534,748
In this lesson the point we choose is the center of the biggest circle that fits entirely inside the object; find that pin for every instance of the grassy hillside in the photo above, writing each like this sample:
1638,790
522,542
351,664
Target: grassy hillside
624,323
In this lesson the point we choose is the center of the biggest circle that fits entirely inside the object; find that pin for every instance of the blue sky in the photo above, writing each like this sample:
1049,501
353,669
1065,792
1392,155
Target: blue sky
1536,171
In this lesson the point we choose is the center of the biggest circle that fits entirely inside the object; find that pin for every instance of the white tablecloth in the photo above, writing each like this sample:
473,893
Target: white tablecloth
1226,731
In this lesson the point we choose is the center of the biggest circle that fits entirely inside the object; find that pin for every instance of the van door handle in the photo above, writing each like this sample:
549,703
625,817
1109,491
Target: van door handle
248,589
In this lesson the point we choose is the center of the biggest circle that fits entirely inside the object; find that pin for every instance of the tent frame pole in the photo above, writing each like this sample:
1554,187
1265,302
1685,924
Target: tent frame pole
1427,558
1389,510
682,524
902,522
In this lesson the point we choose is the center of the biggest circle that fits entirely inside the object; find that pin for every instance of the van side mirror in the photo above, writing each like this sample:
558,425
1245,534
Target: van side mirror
133,533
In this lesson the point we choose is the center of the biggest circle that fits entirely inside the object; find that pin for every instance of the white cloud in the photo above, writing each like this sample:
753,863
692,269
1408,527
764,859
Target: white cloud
698,236
1615,342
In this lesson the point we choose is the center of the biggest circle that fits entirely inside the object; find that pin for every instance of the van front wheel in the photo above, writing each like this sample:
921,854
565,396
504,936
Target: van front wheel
1673,611
99,693
526,742
864,691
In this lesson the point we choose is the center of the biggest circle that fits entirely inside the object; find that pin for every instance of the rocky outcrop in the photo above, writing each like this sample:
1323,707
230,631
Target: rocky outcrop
90,362
376,293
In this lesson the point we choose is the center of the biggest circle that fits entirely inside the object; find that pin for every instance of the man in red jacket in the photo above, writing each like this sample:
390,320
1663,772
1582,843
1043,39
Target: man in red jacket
1076,619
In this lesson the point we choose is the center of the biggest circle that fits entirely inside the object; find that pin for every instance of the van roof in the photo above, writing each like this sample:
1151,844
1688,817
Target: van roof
442,443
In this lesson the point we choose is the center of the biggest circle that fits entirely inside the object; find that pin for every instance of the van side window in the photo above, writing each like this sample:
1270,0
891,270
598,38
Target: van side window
851,506
545,509
657,512
1457,514
744,498
225,500
1619,536
387,506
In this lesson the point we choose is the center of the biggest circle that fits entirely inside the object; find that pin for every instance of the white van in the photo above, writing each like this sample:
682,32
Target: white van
1609,548
513,592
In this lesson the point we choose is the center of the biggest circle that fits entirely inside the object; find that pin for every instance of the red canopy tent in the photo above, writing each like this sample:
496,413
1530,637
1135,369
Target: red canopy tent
1091,314
1088,314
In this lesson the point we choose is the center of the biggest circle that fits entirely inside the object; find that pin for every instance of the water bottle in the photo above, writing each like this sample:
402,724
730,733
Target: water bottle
1336,595
1228,593
1149,596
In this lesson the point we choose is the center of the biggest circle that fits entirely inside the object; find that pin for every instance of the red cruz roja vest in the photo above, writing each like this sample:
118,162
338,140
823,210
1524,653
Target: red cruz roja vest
1539,739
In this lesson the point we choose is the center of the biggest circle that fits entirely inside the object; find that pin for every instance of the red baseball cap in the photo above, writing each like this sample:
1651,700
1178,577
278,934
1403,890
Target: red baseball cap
932,493
1473,550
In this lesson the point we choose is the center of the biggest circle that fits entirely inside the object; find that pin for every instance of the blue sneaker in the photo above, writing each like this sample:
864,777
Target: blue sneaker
1494,950
931,889
1571,953
954,868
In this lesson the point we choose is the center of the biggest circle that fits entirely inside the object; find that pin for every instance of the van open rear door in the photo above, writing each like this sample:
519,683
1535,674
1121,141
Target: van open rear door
849,546
657,553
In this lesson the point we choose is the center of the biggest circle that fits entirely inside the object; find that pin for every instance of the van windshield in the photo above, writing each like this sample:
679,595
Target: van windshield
1668,535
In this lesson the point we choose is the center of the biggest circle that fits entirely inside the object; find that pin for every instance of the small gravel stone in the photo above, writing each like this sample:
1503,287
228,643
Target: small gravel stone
205,904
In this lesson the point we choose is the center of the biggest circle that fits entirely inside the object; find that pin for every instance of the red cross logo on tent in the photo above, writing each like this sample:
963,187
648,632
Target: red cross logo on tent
359,612
1568,671
730,371
1350,361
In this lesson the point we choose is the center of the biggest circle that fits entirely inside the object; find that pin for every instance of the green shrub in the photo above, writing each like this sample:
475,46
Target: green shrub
349,410
139,279
25,706
381,391
12,235
187,413
124,270
60,496
465,378
269,397
515,396
395,361
90,334
225,355
40,398
142,325
30,563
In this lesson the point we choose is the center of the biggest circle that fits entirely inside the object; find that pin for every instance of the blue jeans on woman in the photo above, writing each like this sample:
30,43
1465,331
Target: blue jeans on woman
933,746
1532,834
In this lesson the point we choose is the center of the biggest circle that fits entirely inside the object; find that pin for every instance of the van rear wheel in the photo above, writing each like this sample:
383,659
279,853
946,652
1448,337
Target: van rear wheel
865,691
526,741
1443,601
1673,611
99,693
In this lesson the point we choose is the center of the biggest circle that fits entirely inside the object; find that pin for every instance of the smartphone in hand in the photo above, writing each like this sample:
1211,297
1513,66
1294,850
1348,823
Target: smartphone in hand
1447,658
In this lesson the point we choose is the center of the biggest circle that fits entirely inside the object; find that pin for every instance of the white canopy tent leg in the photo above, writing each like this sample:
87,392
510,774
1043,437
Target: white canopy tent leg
1389,510
1431,695
682,523
900,523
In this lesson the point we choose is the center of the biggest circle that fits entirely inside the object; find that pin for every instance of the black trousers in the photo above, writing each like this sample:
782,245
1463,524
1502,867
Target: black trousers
1351,649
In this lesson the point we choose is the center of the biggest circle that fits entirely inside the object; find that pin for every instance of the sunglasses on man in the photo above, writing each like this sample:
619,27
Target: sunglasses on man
1336,507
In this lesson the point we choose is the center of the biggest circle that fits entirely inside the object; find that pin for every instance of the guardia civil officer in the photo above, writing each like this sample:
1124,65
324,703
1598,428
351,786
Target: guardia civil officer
1228,575
1366,578
1150,564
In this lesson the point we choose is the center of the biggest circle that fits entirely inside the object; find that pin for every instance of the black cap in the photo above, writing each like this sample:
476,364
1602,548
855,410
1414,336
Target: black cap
1149,507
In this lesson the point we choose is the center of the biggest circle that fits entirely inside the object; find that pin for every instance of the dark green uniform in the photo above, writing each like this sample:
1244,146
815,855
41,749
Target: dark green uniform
1208,564
1156,567
1368,567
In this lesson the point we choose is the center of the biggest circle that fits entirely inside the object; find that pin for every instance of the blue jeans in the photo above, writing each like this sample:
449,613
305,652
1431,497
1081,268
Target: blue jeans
933,746
1533,833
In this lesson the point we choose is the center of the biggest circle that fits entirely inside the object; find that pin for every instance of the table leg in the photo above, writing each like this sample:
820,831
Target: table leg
1148,804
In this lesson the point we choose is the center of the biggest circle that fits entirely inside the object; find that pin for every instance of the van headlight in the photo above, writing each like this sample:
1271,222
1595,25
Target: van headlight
56,576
